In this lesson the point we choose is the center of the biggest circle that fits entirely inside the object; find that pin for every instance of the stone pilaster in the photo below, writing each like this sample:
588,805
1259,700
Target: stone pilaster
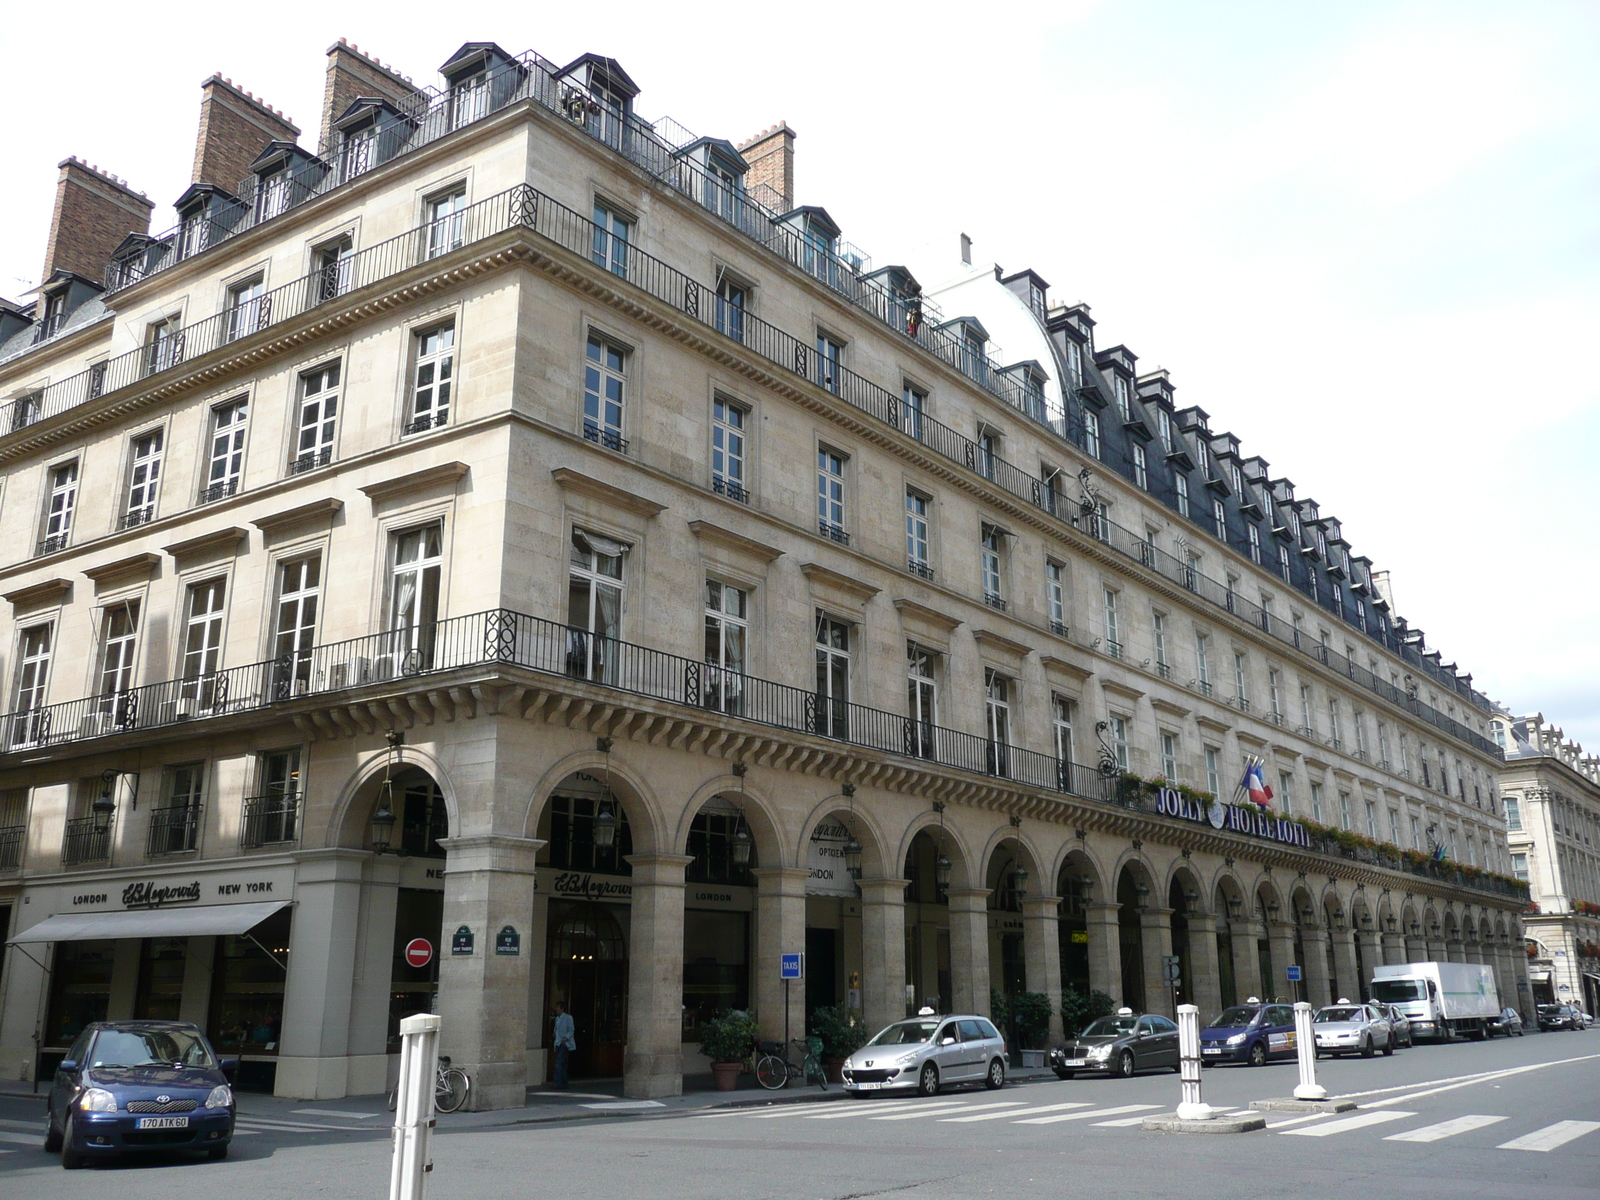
653,1064
1041,941
318,992
1204,984
1314,971
780,930
1105,949
1246,960
1350,980
1155,939
1280,939
969,949
883,951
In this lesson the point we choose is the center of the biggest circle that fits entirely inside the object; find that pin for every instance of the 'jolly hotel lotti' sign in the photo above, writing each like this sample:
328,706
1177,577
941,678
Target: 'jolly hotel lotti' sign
1239,818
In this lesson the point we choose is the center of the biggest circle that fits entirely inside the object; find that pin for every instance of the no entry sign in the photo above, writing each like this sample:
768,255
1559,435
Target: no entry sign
419,952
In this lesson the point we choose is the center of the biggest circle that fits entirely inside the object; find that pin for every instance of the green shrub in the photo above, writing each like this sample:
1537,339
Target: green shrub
1080,1008
840,1029
729,1036
1030,1017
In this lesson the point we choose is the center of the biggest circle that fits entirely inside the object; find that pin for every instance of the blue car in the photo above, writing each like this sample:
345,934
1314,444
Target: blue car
131,1086
1251,1033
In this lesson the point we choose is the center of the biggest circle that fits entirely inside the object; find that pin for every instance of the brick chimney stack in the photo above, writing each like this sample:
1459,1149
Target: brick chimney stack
352,73
771,157
94,212
235,126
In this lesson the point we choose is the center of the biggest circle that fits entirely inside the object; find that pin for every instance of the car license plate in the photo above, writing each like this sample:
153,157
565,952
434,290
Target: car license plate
163,1122
1211,1050
1077,1062
869,1087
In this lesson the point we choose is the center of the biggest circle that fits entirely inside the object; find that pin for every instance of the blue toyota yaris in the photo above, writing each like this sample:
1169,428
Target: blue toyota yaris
1251,1033
128,1086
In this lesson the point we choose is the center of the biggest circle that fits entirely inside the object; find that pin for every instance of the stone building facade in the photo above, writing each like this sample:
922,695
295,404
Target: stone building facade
502,557
1552,807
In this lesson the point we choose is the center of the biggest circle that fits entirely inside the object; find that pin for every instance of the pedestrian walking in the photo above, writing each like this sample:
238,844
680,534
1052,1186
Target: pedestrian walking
565,1043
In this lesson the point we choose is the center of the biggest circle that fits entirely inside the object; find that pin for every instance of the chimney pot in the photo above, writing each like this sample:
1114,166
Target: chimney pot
235,126
771,157
352,73
94,211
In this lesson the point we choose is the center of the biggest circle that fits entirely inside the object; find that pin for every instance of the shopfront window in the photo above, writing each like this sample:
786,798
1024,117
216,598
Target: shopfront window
161,966
246,1015
424,819
711,841
80,989
716,966
571,844
412,990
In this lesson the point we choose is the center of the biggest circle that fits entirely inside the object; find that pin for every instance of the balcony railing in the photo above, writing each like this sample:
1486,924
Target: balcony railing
83,843
270,820
173,830
11,848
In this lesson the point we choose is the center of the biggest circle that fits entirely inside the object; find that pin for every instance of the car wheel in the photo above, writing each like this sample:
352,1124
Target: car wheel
52,1137
1366,1048
71,1160
1207,1063
1125,1064
928,1081
1258,1055
218,1153
1388,1048
1064,1074
996,1077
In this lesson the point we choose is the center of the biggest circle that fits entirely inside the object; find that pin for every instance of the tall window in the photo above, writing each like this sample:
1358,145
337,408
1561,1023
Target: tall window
922,699
1286,792
1253,535
728,476
1113,640
829,354
1120,387
247,311
727,636
446,222
175,826
33,677
604,389
989,556
1219,518
1191,572
144,479
295,625
271,815
414,584
997,703
163,344
1202,662
1275,690
1213,775
1305,709
1055,596
611,235
1158,623
1062,717
917,534
1283,560
1119,740
594,604
319,417
1239,685
1333,722
986,450
1140,467
335,266
916,403
1513,807
225,467
830,495
119,637
730,309
1316,802
202,645
1169,756
1372,820
1164,422
1359,720
60,506
1091,433
833,676
1181,482
1344,810
1416,833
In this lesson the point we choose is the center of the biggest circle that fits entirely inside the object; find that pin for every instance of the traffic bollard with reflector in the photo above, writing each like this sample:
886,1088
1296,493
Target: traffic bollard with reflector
1305,1041
413,1109
1191,1108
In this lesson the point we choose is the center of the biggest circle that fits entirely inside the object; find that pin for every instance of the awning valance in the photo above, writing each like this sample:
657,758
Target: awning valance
153,922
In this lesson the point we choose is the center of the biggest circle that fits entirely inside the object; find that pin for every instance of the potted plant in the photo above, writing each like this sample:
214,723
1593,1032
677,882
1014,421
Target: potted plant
1078,1009
727,1040
1030,1017
842,1034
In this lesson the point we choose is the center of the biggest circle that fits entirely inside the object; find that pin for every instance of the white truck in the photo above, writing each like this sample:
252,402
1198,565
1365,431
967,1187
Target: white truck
1440,999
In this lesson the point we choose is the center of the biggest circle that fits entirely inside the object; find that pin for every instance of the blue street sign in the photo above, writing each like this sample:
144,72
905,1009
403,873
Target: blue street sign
792,966
1294,973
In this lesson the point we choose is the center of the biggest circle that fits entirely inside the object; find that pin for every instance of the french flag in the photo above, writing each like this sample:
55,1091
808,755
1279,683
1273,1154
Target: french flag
1256,786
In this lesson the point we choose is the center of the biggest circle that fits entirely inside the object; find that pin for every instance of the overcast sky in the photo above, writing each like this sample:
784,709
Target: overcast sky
1363,237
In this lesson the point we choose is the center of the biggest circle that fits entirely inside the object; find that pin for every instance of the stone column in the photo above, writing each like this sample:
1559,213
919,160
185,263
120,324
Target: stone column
780,930
1105,949
653,1064
1371,954
1041,943
483,996
1246,961
1435,949
374,973
1417,950
1280,936
969,950
1455,951
1344,962
1155,929
1314,971
1205,979
1396,948
883,951
538,961
314,1043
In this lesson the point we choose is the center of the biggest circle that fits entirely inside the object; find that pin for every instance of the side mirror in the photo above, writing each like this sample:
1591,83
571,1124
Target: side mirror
69,1065
229,1067
949,1041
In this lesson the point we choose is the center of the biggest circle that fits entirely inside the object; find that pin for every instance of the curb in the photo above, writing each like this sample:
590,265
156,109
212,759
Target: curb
1304,1106
1216,1125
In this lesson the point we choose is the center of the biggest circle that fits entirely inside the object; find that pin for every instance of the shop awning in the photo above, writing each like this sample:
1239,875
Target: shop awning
1538,976
154,922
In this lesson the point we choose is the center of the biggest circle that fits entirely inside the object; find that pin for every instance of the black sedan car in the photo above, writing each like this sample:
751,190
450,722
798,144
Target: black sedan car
1119,1045
130,1086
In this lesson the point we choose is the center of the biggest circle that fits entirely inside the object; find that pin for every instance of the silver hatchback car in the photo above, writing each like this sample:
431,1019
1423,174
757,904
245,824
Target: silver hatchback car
928,1052
1346,1028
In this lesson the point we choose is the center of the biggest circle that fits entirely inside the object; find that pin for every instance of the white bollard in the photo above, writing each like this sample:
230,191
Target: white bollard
1191,1108
1305,1042
413,1110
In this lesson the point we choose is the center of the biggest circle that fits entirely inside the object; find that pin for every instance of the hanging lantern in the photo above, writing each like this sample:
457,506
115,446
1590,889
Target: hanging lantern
605,828
103,806
1019,882
852,857
383,818
742,845
941,870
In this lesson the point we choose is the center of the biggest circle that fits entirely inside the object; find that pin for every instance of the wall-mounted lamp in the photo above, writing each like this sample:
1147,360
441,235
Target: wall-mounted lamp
383,815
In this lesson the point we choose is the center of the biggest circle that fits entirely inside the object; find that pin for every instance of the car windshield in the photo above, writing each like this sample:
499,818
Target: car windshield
1235,1018
905,1033
149,1047
1339,1013
1392,991
1111,1027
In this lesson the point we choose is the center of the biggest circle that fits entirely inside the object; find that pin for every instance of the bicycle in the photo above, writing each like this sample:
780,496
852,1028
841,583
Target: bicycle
774,1070
450,1087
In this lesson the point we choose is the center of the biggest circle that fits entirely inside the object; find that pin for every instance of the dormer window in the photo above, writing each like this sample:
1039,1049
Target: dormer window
1120,387
1036,300
55,314
1238,478
1074,362
1164,420
469,99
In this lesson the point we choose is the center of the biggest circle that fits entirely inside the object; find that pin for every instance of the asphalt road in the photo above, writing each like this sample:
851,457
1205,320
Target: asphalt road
1513,1118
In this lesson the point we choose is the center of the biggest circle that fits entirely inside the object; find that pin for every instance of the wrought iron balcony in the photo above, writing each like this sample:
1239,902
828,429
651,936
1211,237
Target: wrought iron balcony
609,438
137,516
919,568
834,533
270,820
11,842
52,543
173,830
995,601
83,843
301,463
730,489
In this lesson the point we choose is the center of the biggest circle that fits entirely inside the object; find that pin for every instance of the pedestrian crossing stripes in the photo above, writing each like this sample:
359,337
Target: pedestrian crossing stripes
1551,1136
1096,1112
1346,1124
1016,1112
22,1139
1444,1129
930,1112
